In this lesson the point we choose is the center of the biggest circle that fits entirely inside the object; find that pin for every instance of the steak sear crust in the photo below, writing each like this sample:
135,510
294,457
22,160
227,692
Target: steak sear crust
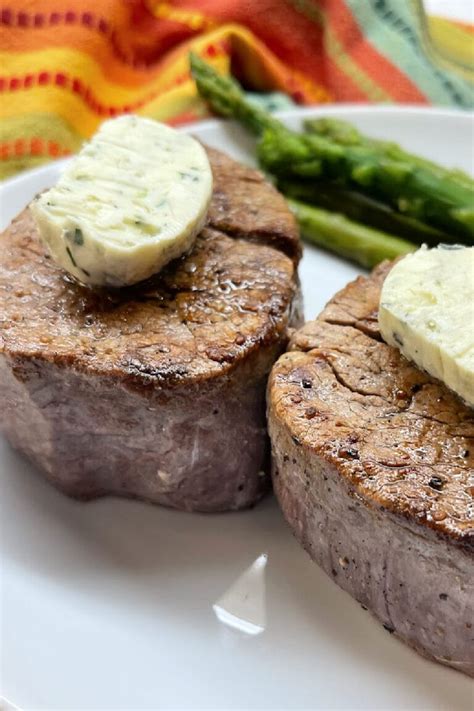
240,207
156,391
374,470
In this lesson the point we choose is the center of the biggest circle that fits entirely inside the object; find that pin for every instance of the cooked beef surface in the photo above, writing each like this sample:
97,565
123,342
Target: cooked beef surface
374,470
157,390
245,205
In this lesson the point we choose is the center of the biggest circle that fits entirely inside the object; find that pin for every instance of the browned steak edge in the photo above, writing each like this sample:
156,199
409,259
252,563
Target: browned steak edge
97,430
417,579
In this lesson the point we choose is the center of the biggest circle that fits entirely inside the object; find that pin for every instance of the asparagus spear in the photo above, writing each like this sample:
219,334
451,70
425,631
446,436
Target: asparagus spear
227,98
334,232
363,209
410,188
346,134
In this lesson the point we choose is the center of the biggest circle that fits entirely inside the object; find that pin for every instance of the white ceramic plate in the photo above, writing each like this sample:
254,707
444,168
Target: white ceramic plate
109,605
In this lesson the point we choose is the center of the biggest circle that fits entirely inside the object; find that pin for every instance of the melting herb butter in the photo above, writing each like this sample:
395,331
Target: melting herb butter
133,199
427,312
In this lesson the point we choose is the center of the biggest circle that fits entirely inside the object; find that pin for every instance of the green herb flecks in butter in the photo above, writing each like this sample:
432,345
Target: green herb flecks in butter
427,312
133,199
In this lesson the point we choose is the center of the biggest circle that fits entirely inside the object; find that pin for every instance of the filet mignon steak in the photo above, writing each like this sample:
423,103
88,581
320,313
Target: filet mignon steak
156,391
373,466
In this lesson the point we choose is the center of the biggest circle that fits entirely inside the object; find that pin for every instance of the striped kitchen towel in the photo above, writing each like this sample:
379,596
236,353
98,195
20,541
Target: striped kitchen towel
69,64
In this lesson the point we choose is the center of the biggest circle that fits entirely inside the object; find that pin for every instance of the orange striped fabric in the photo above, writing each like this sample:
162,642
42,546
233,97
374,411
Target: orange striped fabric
66,66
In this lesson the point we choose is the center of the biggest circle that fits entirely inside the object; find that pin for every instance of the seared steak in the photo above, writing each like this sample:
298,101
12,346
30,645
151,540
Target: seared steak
374,471
156,391
245,205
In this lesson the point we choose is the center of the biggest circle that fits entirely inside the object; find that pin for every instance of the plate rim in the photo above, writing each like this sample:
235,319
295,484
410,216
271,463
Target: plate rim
299,111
